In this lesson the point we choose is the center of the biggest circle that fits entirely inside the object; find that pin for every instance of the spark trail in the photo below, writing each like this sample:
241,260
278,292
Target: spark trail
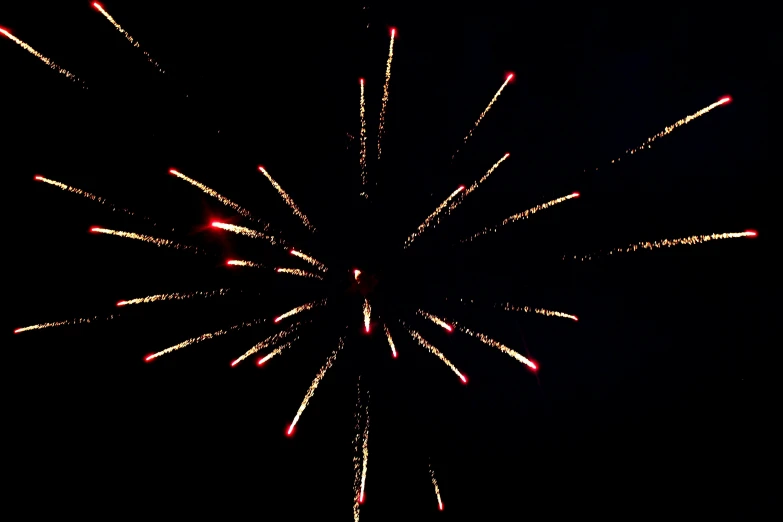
127,35
357,461
666,243
43,58
391,343
288,200
301,308
173,297
269,341
276,351
298,272
82,320
310,391
249,232
484,113
363,138
202,337
367,311
239,262
437,320
522,215
434,351
365,451
437,489
385,98
148,239
508,307
466,193
432,216
310,259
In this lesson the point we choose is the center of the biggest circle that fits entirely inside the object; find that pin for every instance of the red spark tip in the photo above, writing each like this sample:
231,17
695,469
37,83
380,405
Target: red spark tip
361,81
261,361
751,233
94,229
361,498
507,155
440,506
149,357
394,355
461,187
576,318
725,99
121,303
292,252
448,328
234,363
290,431
38,178
96,5
216,224
18,330
510,77
5,31
463,378
393,31
366,329
277,319
575,194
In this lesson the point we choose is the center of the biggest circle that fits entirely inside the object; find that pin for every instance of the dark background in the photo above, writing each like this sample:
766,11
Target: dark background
658,399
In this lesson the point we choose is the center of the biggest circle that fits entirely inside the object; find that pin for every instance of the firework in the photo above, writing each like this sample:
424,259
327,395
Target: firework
437,320
202,337
127,36
522,215
82,320
432,216
357,461
434,351
41,57
437,489
367,311
288,200
356,274
249,232
172,297
385,99
310,259
314,385
466,193
147,239
276,351
301,308
484,112
363,138
391,343
543,311
298,272
495,344
239,262
666,243
269,341
365,451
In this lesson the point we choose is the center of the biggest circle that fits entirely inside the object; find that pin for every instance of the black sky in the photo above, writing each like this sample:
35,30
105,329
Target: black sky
657,400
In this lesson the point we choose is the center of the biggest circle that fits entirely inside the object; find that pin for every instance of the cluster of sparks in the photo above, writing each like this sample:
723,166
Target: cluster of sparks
44,59
484,112
367,311
127,35
298,272
391,341
667,243
249,232
266,343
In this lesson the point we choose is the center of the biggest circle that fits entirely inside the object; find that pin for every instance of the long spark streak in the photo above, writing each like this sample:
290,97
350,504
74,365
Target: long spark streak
269,341
301,308
434,351
475,185
127,35
508,307
203,337
363,138
249,232
391,343
314,385
385,98
173,297
520,216
43,58
484,113
298,272
148,239
240,262
437,320
288,200
357,467
310,259
82,320
277,351
432,216
651,245
437,489
367,314
365,451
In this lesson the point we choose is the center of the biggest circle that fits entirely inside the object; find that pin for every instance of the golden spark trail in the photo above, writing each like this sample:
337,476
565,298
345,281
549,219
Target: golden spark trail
83,320
665,243
172,297
202,337
484,113
437,490
249,232
357,467
314,385
298,272
367,311
385,99
239,262
391,343
549,313
289,201
434,351
276,351
43,58
500,346
310,259
148,239
269,341
363,138
475,185
127,36
520,216
437,320
432,216
365,451
301,308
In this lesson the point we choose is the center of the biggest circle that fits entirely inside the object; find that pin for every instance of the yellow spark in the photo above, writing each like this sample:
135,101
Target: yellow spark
276,351
437,320
500,346
434,351
484,112
363,137
385,99
173,297
298,272
367,311
437,490
365,451
126,35
650,245
289,201
391,343
432,216
475,185
314,385
357,468
148,239
310,259
249,232
356,274
301,308
203,337
239,262
82,320
269,341
521,215
41,57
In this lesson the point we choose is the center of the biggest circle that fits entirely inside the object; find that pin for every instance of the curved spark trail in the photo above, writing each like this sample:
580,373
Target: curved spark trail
666,243
391,343
437,489
434,351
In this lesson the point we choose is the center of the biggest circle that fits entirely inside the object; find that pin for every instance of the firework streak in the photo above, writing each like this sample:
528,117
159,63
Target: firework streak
391,343
298,272
434,351
127,36
508,307
365,451
269,341
437,489
367,311
147,239
239,262
484,113
276,351
288,200
666,243
310,259
314,385
437,320
249,232
385,98
301,308
363,138
432,216
357,461
43,58
202,337
84,320
475,185
520,216
172,297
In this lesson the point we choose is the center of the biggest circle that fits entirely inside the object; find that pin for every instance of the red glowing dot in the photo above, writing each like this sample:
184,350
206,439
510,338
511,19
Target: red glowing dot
461,187
277,319
361,498
510,77
38,178
149,358
234,363
463,378
261,361
361,81
575,194
18,330
576,318
96,5
95,229
752,233
290,431
440,506
5,31
293,252
121,303
394,354
507,155
172,171
260,168
393,32
367,329
448,328
725,99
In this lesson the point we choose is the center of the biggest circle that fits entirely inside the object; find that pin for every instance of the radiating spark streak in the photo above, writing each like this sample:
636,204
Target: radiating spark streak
301,308
269,341
357,467
310,259
367,311
314,385
148,239
43,58
434,351
365,451
522,215
484,113
495,344
651,245
391,343
173,297
437,320
127,36
203,337
432,216
385,98
277,351
298,272
288,200
249,232
81,320
549,313
466,193
363,137
437,489
239,262
227,202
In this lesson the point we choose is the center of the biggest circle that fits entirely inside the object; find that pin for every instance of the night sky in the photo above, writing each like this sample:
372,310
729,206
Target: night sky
657,400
